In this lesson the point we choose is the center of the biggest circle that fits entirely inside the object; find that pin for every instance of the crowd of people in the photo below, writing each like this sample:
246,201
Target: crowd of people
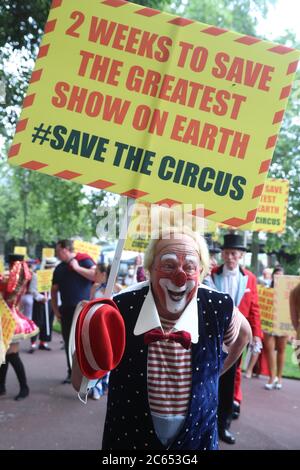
175,283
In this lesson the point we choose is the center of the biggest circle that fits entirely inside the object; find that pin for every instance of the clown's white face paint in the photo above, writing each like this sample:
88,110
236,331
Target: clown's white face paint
174,275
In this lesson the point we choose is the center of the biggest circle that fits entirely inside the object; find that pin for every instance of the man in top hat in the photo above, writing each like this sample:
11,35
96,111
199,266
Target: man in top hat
163,394
241,285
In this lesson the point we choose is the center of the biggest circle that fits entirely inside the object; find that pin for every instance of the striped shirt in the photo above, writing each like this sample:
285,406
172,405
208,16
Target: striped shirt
169,375
170,370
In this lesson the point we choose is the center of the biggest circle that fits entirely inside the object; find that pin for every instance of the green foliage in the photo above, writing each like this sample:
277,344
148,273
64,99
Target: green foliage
237,15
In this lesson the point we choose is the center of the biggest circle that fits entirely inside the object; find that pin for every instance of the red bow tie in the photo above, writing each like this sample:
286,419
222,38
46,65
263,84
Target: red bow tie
182,337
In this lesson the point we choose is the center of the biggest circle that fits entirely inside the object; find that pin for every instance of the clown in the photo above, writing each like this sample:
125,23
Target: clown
163,393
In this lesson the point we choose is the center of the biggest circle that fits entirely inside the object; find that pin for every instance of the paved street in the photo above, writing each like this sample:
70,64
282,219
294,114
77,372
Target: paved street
52,417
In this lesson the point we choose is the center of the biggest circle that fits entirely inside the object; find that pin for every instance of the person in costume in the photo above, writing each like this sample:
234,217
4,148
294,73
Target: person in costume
73,278
241,285
42,313
163,391
12,290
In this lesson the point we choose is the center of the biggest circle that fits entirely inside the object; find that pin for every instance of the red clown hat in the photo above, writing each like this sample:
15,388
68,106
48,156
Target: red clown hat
99,338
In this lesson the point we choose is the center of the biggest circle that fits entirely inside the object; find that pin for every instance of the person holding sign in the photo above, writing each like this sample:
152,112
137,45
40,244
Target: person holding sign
241,285
295,316
272,343
73,278
163,391
12,290
42,312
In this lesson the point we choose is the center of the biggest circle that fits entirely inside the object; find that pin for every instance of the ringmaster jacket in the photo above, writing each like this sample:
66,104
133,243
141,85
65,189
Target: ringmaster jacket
128,424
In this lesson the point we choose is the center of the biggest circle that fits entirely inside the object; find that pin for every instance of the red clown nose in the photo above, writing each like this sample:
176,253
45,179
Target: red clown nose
179,279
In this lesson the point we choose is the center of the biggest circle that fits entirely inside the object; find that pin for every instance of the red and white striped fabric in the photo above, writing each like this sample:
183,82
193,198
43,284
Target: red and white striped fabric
169,375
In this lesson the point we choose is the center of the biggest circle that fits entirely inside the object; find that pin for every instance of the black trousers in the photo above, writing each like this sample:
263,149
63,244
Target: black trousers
39,318
67,314
226,394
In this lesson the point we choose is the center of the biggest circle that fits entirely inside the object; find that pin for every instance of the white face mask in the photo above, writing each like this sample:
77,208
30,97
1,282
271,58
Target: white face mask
130,272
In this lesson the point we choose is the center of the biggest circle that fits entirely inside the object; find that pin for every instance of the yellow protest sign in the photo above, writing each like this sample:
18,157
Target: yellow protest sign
20,250
155,107
8,324
2,266
44,280
2,350
85,247
282,288
48,253
265,302
272,209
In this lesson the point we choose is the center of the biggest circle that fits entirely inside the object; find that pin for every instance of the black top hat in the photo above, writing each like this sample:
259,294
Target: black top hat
211,245
234,242
14,257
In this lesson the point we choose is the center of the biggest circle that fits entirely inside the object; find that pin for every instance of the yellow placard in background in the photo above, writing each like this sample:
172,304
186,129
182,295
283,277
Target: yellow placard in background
20,250
8,324
272,209
265,302
155,107
48,253
85,247
282,288
44,280
2,266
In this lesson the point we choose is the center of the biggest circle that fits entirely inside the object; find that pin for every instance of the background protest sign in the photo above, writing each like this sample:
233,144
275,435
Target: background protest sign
44,280
85,247
20,250
282,288
150,105
272,208
265,302
48,253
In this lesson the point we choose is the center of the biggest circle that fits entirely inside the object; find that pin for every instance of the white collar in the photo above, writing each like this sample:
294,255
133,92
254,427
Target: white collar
231,272
149,318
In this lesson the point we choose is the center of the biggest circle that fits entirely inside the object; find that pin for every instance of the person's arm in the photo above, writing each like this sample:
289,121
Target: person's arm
88,273
54,301
293,311
236,349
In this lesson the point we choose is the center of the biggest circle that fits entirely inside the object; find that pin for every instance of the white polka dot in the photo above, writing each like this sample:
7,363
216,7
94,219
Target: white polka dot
134,293
187,430
220,301
208,364
118,439
204,348
128,375
151,432
192,439
226,296
204,311
137,392
197,424
130,359
194,396
197,368
207,324
137,430
142,374
179,442
210,300
131,307
141,350
210,291
146,445
198,299
216,311
209,336
123,417
125,434
146,414
128,401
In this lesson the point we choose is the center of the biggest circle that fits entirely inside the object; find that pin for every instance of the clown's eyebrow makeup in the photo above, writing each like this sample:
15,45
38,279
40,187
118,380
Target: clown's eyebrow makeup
191,258
169,256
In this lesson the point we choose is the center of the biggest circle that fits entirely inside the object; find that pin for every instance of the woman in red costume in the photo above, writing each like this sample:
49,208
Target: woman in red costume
12,289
